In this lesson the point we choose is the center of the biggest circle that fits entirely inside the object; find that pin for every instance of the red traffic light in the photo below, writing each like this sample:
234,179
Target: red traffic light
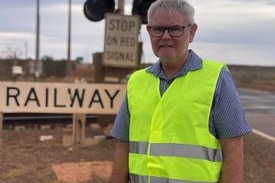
95,10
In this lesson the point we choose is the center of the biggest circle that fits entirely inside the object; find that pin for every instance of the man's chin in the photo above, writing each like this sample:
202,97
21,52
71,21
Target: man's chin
168,59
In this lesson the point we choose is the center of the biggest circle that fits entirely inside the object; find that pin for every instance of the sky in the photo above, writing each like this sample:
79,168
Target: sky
239,32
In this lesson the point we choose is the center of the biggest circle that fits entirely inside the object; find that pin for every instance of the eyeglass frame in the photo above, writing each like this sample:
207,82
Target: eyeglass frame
168,29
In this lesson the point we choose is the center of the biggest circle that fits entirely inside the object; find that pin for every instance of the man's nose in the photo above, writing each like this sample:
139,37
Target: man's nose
166,34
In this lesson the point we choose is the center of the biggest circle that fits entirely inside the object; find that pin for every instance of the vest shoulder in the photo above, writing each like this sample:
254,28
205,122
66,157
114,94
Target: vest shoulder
213,63
138,73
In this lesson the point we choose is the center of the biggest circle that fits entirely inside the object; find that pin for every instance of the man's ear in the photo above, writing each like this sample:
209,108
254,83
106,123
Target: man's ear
193,30
148,29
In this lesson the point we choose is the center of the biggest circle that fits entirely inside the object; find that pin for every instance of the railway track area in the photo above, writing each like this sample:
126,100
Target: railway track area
13,121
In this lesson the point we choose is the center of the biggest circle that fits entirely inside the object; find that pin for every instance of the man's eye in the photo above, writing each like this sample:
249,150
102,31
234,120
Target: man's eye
175,29
159,29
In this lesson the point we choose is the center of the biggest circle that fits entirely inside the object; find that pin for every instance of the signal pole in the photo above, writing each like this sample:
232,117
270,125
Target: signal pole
68,63
121,7
37,63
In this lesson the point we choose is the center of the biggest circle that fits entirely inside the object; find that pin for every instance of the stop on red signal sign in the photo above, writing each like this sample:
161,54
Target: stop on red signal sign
121,40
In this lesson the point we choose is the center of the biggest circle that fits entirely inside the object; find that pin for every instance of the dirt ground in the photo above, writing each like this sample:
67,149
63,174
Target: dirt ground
24,158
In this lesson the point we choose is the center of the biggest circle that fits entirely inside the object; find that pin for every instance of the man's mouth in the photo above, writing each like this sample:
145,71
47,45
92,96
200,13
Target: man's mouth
166,46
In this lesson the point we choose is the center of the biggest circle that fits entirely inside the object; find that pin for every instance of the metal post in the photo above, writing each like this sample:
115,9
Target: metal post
68,64
121,7
37,63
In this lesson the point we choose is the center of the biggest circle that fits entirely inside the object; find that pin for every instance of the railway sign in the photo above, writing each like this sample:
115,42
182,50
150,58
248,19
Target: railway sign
121,47
83,98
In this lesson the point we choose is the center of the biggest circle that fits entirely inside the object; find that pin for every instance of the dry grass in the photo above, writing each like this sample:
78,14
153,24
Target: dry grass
262,78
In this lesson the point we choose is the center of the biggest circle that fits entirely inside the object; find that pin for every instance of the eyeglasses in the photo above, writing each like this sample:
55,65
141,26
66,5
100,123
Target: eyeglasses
174,31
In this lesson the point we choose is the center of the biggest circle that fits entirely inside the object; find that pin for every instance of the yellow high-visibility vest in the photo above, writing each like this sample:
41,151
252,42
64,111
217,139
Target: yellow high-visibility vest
169,135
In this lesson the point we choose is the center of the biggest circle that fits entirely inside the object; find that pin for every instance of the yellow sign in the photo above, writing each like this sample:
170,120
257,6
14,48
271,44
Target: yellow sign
121,40
37,97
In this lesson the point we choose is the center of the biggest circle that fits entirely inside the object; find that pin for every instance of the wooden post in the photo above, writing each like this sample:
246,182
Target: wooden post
1,128
82,121
74,129
79,123
99,72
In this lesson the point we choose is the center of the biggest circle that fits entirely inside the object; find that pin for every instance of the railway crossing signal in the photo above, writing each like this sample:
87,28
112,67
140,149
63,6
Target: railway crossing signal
95,10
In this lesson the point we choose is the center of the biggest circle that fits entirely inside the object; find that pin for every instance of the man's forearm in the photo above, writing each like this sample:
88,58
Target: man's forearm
120,173
232,170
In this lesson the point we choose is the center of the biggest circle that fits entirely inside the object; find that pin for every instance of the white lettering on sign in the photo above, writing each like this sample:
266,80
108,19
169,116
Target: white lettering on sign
121,40
61,98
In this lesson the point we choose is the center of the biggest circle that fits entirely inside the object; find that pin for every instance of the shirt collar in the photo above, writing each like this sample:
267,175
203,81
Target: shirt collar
193,63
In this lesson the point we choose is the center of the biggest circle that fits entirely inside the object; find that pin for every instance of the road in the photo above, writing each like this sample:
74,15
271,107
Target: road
259,107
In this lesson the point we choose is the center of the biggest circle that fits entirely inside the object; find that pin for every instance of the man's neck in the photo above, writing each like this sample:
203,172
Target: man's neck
171,67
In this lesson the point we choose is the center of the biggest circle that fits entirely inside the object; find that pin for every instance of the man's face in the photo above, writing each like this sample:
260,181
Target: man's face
171,46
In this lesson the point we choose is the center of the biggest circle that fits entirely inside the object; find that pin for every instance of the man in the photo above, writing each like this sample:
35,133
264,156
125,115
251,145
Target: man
182,120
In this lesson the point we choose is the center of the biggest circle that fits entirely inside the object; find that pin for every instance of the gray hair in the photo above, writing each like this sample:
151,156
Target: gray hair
170,6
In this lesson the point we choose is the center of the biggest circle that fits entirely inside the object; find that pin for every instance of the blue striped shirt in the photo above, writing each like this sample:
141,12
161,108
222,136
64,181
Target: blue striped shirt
227,117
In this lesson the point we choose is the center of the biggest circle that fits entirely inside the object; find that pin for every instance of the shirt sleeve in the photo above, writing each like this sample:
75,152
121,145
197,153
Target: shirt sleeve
228,118
120,128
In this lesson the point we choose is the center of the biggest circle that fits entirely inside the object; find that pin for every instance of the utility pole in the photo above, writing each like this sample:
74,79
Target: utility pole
68,63
38,70
26,49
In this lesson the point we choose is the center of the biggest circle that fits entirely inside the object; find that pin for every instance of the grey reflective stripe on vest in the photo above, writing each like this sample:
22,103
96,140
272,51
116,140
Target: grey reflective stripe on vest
138,179
178,150
144,179
138,147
